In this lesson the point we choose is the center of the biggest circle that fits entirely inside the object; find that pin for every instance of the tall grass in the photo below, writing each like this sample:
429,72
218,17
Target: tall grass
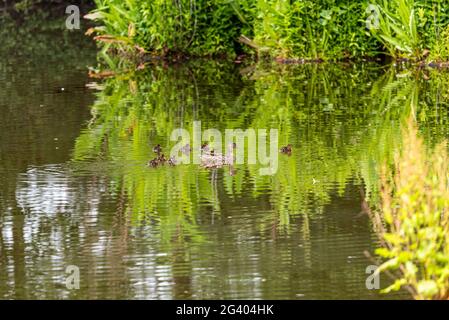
414,221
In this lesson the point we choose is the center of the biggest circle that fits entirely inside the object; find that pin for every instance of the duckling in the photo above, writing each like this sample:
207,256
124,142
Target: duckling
153,163
287,149
157,149
172,161
161,159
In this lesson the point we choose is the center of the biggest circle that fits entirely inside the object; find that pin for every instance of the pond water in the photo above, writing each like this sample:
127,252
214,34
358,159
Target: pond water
75,189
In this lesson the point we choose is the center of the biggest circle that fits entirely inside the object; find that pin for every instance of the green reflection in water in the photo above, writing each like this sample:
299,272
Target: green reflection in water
343,121
339,128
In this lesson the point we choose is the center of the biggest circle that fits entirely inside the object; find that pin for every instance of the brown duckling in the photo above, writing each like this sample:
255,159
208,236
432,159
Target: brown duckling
153,163
287,149
157,149
172,161
161,159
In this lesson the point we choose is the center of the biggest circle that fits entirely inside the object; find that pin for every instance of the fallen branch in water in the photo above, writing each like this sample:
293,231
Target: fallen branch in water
101,75
109,39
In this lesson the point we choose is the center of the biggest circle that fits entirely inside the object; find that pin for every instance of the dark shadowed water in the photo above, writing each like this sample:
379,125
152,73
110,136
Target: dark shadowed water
75,189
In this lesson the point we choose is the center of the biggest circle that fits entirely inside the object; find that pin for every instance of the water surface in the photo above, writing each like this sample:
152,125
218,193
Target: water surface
76,189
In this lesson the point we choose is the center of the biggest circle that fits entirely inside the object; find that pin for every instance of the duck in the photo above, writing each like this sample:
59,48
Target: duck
205,146
157,149
212,159
287,149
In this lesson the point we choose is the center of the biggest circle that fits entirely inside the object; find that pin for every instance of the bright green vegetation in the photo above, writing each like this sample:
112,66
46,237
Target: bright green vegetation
313,29
414,29
191,27
323,29
414,221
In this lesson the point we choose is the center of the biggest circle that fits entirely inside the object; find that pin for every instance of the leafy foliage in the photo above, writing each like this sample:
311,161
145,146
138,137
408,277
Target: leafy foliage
314,29
309,29
408,28
194,27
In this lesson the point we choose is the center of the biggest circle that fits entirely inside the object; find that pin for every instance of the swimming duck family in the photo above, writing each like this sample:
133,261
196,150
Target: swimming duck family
209,157
160,159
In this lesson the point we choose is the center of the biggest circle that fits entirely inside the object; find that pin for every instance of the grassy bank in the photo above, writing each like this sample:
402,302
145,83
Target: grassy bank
318,30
